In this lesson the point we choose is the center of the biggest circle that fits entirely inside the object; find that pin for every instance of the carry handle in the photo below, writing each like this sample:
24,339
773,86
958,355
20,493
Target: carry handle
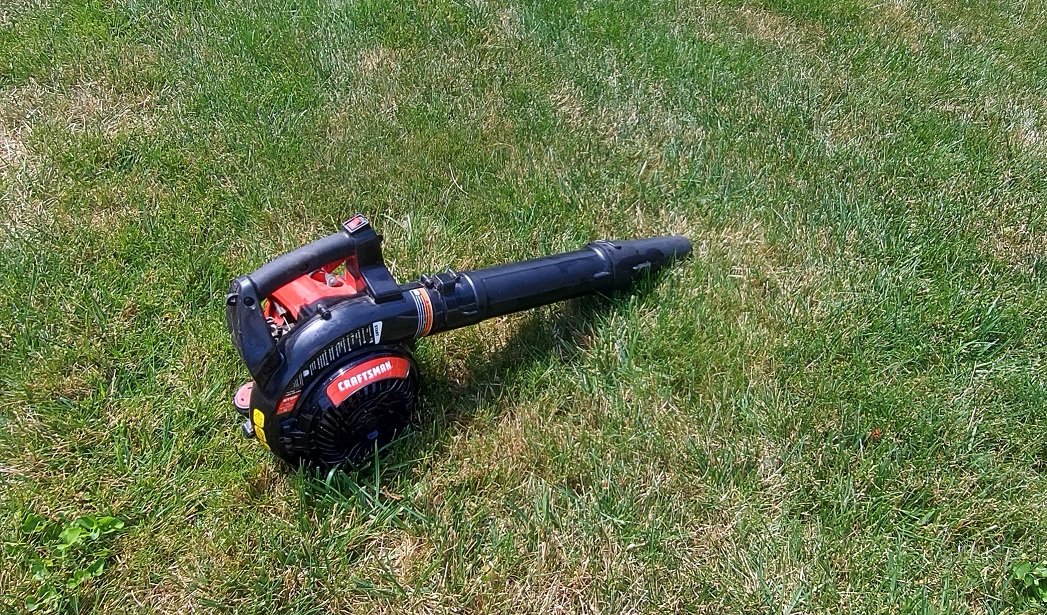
280,271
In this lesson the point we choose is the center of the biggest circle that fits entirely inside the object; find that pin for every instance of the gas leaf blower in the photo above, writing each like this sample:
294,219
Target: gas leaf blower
326,332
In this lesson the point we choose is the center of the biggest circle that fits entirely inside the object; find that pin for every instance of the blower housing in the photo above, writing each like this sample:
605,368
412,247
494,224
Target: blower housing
326,332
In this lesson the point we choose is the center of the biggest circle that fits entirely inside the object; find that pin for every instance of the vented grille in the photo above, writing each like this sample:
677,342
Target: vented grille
349,432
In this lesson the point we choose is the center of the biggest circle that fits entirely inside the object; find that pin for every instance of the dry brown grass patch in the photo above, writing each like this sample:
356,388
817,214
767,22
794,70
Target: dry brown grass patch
1028,126
378,59
902,20
773,28
717,22
1017,244
100,106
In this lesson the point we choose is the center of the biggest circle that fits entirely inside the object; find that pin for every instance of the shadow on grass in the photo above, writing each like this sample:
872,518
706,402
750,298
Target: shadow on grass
448,404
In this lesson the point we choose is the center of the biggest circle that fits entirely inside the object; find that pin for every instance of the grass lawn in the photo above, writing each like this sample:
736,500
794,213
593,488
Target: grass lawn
838,404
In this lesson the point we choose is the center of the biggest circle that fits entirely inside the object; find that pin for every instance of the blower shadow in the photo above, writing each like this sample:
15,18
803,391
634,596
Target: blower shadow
449,404
449,401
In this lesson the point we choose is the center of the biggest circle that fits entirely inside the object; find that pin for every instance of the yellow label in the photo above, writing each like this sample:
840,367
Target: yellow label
259,426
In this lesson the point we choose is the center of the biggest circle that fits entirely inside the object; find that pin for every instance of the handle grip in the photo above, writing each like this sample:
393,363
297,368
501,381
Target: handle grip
276,273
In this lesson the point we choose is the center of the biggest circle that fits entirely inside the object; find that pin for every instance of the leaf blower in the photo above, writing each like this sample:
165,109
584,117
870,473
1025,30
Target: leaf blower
326,332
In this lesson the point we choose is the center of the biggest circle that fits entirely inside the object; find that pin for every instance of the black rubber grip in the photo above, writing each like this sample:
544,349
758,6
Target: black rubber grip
310,257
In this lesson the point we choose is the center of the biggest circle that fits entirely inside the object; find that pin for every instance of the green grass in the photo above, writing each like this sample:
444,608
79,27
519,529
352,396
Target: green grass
839,404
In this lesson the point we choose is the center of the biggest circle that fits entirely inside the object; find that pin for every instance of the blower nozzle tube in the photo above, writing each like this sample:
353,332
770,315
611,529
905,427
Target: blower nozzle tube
600,267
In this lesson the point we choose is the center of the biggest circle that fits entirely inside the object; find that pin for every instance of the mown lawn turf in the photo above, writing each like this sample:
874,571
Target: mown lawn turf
838,404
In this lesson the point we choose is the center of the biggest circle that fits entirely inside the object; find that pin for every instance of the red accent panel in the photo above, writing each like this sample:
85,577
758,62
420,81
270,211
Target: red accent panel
317,285
287,403
372,370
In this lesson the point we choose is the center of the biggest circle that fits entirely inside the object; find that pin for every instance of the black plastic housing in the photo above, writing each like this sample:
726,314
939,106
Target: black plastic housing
388,317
